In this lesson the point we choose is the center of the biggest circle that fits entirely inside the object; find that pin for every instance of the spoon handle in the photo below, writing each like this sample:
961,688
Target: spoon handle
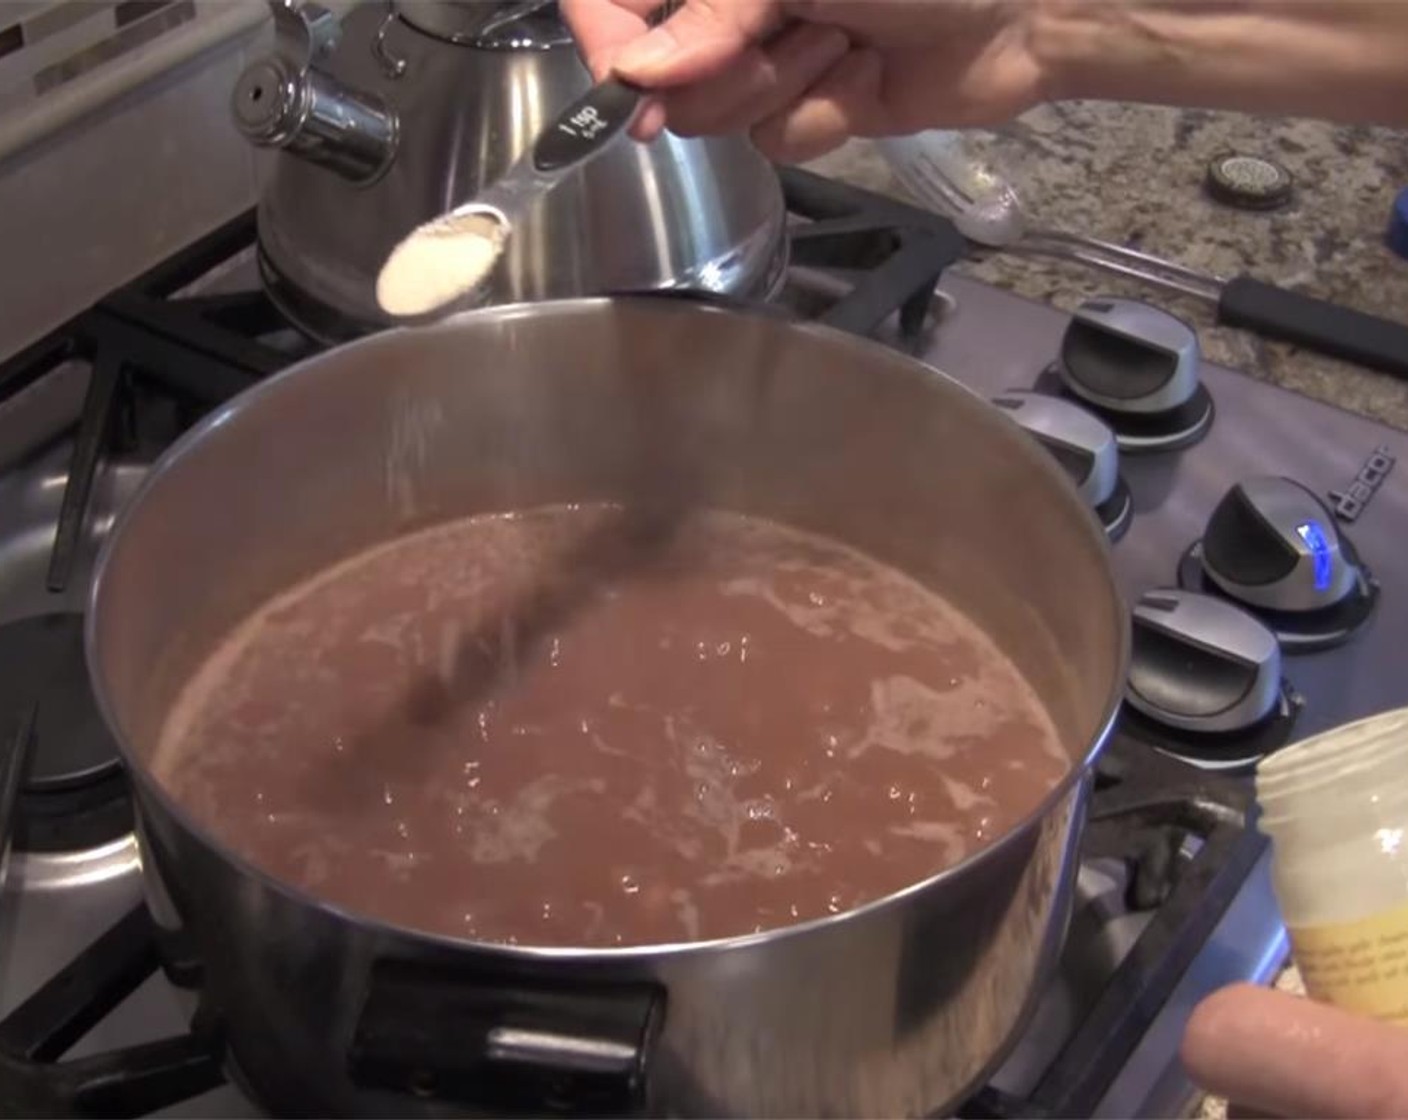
1315,324
586,126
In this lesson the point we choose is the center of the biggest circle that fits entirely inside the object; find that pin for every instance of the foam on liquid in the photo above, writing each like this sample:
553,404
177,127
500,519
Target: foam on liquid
560,728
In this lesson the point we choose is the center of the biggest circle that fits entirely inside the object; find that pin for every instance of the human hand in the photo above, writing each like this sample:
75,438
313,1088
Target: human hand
802,76
1284,1055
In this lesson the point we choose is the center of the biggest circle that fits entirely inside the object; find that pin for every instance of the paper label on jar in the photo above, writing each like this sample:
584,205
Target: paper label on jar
1360,966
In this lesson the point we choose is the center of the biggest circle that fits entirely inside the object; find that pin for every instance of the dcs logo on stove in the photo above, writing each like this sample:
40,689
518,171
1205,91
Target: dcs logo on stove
1350,502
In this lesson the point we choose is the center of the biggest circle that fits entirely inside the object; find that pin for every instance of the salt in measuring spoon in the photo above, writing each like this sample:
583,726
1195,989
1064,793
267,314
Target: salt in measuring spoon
442,263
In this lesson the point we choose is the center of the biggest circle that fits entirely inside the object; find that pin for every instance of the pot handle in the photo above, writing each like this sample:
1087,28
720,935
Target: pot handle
504,1044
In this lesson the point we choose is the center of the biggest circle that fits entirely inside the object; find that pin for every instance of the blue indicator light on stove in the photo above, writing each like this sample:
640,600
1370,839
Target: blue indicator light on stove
1321,555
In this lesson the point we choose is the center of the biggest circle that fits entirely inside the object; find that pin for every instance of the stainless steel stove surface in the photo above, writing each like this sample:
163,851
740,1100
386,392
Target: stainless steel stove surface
1173,895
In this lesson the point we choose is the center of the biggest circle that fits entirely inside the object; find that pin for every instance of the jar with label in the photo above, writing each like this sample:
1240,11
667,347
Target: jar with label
1336,809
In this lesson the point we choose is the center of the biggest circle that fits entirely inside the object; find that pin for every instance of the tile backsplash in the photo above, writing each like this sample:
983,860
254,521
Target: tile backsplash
116,144
47,44
146,20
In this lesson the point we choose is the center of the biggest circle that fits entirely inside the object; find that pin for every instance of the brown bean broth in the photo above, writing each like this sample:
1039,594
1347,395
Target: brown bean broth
567,727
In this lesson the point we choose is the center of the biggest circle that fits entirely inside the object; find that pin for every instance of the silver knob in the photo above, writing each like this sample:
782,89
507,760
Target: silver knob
1082,443
1128,357
1273,545
1201,664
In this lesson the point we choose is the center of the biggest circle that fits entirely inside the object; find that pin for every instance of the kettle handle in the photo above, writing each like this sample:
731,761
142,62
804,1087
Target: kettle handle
392,65
303,33
512,12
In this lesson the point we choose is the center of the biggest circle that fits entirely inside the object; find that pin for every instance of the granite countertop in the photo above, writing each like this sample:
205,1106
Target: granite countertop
1133,174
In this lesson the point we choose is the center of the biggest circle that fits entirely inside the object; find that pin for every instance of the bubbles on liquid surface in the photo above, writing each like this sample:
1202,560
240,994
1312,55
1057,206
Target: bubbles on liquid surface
763,810
640,731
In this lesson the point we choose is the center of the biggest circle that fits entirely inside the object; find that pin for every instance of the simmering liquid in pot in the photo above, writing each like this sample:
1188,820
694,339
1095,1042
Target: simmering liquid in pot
571,727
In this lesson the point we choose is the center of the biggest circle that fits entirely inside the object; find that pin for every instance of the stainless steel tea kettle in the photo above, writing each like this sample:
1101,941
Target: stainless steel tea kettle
401,110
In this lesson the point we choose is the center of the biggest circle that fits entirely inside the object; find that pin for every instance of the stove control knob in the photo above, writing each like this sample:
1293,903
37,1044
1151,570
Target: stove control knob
1125,356
1201,664
1273,545
1082,443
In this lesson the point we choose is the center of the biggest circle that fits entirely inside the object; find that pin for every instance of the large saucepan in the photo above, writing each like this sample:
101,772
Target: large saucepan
898,1008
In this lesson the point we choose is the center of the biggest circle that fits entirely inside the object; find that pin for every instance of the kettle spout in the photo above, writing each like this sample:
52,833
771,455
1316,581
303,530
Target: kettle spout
312,115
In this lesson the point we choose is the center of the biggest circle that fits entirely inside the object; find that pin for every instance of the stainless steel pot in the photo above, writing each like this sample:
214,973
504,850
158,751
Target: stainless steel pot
399,111
897,1008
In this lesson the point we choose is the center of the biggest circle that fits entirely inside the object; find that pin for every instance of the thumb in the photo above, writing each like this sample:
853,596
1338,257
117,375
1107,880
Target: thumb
1287,1055
698,41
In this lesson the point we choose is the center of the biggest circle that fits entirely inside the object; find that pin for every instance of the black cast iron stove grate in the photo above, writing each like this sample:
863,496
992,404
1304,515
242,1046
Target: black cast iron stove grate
1145,810
197,351
35,1080
203,350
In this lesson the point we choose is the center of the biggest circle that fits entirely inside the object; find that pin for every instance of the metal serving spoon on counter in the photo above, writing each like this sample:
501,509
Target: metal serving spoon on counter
986,209
439,266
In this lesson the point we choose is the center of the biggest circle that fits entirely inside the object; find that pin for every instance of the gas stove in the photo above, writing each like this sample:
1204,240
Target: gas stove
1173,897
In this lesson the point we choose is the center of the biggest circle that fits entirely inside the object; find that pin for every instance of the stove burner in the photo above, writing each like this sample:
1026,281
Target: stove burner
1143,432
1143,807
41,660
1226,752
1298,631
74,793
